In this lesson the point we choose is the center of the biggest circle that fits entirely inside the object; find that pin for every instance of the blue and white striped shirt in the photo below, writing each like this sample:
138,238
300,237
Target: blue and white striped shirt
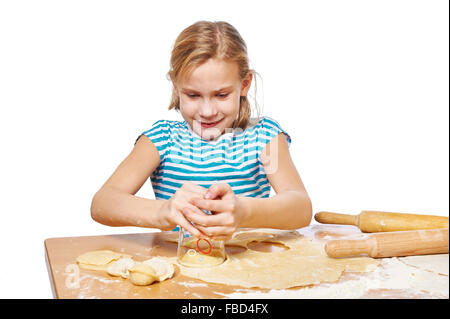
232,158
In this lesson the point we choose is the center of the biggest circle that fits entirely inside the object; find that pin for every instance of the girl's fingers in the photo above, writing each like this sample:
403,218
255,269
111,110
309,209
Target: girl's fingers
218,190
211,205
193,208
197,189
200,218
184,223
217,232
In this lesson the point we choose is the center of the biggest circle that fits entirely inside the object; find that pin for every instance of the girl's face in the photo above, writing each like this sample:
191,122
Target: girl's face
209,97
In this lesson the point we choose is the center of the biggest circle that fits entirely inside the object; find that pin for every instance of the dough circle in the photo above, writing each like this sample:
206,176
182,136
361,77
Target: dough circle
194,259
98,259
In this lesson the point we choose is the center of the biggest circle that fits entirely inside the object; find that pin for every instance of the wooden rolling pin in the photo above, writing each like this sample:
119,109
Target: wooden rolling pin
392,244
374,221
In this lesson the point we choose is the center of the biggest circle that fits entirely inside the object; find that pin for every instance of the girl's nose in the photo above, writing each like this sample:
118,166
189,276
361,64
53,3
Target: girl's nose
207,109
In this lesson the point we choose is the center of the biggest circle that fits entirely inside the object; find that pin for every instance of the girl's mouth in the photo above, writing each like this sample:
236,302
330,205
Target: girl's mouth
211,124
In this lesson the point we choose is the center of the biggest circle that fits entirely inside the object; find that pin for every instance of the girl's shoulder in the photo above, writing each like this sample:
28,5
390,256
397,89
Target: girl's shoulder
266,127
163,132
263,122
165,126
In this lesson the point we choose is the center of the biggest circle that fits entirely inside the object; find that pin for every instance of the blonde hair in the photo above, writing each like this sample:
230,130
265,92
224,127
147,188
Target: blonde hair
205,40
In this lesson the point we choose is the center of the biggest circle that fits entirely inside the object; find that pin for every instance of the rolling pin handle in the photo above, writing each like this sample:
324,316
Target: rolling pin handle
349,248
335,218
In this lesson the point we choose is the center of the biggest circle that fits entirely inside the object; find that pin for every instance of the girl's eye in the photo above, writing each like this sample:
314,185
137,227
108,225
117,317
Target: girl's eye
192,95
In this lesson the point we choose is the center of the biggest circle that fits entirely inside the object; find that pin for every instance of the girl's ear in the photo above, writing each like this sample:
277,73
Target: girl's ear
246,83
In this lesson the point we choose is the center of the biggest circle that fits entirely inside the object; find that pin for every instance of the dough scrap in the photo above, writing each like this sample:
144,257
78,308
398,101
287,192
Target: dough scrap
304,263
121,267
435,263
98,259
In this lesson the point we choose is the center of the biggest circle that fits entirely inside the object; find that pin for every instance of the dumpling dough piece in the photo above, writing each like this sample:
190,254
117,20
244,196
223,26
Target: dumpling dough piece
98,259
163,269
120,268
142,274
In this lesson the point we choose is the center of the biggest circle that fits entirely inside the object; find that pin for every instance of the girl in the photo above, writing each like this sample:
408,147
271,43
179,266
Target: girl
218,159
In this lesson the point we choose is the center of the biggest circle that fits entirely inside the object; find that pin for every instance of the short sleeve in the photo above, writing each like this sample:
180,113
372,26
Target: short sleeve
269,128
159,134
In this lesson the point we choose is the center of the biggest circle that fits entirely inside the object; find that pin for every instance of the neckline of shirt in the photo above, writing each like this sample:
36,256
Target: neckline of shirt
214,141
221,137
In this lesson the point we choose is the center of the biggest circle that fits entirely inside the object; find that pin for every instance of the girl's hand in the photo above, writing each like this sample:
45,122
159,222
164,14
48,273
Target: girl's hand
170,214
226,208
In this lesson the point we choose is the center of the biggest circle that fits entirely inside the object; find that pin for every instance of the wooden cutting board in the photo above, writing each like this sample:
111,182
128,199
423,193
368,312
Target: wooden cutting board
69,281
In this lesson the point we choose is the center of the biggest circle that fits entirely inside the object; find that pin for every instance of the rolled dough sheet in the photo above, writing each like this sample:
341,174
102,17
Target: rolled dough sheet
435,263
304,263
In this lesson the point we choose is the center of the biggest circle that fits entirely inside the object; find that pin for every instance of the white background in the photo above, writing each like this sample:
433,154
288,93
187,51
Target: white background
361,86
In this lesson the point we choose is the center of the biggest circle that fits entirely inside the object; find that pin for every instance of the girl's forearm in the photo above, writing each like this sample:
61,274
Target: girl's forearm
113,207
286,210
